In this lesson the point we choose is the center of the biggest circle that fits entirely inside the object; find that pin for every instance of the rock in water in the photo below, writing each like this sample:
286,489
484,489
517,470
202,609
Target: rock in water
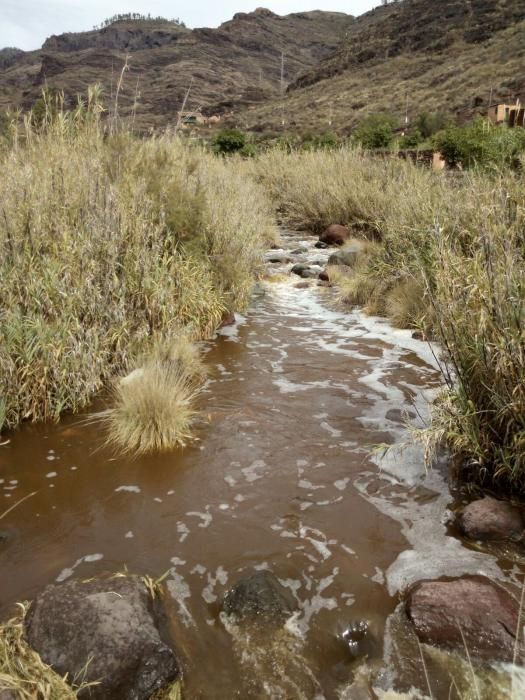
347,256
259,595
335,235
440,611
109,623
490,519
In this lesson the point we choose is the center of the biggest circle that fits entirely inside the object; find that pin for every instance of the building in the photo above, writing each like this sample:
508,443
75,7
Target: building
512,115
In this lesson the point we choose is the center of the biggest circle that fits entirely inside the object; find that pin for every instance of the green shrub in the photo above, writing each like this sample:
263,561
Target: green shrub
430,123
376,131
229,141
481,144
411,140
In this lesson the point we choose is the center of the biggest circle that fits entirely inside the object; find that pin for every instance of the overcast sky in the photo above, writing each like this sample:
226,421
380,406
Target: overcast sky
27,23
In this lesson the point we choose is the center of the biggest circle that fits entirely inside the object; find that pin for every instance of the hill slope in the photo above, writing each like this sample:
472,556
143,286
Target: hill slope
235,65
448,55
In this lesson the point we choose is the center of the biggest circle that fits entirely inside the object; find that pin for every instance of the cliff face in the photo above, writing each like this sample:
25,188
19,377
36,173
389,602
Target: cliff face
408,27
233,66
425,55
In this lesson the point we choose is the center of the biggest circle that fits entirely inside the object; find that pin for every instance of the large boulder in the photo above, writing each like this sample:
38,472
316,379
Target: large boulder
102,630
345,256
259,595
469,611
490,519
335,234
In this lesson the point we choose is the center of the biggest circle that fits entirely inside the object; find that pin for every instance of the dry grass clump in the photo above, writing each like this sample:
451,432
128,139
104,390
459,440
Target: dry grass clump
154,406
23,672
108,241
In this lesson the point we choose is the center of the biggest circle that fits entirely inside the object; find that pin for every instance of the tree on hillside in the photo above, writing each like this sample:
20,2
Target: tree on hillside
376,131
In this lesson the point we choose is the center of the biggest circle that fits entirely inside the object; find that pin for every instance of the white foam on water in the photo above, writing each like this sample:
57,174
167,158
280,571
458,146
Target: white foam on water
69,571
206,517
128,489
180,592
183,531
251,473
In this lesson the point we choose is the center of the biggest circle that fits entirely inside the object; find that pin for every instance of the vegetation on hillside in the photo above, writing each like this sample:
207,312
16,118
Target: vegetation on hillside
135,17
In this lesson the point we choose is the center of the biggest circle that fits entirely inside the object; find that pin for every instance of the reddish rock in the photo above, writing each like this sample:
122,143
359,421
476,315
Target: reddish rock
335,235
228,319
323,276
440,611
490,519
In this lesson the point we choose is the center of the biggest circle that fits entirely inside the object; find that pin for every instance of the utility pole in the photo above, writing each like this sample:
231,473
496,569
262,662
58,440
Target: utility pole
282,88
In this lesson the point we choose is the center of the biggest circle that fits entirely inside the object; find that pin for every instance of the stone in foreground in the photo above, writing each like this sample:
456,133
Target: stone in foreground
111,624
440,611
490,519
335,234
259,595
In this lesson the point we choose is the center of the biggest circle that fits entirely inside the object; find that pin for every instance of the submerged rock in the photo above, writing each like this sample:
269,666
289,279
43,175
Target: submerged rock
335,234
304,271
102,630
278,259
490,519
353,636
228,319
299,251
321,245
259,595
469,611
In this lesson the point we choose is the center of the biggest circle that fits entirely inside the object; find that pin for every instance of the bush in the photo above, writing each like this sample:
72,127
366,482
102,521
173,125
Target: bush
481,144
229,141
316,142
376,131
430,123
411,140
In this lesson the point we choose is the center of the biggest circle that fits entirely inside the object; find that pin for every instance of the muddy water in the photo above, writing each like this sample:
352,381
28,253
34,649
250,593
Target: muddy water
282,477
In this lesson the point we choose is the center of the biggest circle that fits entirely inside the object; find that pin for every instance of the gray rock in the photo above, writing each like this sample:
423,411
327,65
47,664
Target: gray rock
110,623
440,611
321,246
490,519
347,256
259,595
278,259
304,271
299,251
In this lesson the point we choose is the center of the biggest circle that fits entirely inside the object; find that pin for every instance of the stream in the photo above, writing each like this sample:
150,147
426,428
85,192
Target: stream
284,476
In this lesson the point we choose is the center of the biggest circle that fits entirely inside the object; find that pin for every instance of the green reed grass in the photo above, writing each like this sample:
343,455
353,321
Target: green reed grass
108,241
449,259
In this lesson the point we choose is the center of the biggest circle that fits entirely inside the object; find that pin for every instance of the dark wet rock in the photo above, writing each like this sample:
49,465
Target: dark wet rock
4,537
302,285
440,611
335,234
274,246
353,636
299,251
259,595
278,259
490,519
321,245
304,271
228,319
347,256
323,276
110,623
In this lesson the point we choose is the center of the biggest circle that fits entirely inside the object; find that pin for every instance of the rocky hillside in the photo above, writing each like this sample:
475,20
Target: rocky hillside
448,55
233,66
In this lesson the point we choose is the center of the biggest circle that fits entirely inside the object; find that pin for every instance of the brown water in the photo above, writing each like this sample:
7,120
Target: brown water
282,477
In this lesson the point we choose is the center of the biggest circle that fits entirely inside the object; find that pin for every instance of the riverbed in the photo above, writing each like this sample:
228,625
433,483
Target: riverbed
287,474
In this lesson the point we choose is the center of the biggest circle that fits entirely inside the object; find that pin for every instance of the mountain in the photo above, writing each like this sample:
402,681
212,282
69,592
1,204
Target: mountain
233,66
422,55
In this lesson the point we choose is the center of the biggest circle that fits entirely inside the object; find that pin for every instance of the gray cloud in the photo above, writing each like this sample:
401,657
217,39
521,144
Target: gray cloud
27,23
